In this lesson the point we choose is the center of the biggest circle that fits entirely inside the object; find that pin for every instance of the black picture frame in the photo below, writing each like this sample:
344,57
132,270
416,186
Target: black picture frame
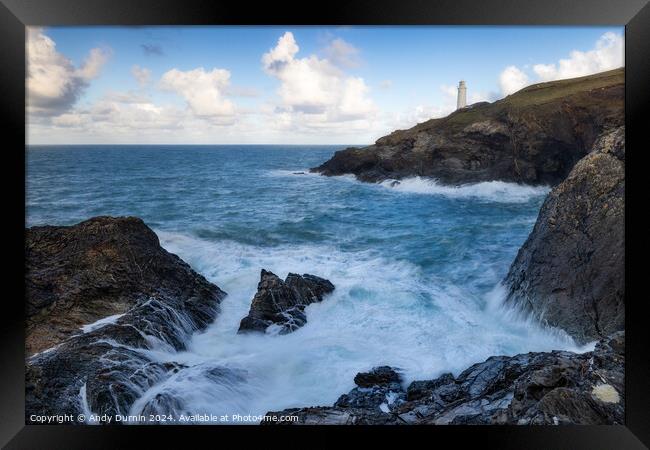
16,14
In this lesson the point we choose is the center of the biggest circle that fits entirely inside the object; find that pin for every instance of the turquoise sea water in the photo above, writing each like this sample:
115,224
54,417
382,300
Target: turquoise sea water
416,266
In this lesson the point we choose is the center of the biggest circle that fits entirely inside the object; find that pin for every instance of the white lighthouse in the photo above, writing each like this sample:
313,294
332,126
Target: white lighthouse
462,95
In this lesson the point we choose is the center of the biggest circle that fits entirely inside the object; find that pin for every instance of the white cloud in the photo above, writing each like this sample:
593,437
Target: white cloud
354,101
141,74
608,54
119,114
413,116
202,90
126,97
314,88
93,63
512,79
317,99
53,83
70,120
343,54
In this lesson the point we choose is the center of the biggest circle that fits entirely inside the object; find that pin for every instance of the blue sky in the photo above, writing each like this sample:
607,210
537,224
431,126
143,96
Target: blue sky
321,85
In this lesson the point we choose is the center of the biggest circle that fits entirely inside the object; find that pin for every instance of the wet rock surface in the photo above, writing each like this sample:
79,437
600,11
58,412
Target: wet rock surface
85,272
570,272
76,275
378,390
282,303
534,136
546,388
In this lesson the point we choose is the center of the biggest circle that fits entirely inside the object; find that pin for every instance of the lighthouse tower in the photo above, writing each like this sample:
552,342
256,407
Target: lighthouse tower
462,95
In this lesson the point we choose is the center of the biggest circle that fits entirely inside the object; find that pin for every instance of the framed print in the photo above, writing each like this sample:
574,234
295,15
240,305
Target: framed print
374,218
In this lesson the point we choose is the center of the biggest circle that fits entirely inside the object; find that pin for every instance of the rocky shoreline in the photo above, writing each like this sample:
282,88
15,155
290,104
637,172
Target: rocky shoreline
569,274
534,136
547,388
100,295
97,268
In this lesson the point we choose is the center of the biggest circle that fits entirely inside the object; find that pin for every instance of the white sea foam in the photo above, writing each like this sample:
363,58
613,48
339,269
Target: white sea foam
494,191
83,402
491,191
100,323
519,317
383,312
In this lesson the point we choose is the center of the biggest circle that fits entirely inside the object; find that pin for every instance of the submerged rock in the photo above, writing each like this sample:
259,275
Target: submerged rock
101,267
282,303
533,136
570,272
547,388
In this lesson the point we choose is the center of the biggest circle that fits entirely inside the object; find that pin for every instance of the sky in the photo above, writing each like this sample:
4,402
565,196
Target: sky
284,85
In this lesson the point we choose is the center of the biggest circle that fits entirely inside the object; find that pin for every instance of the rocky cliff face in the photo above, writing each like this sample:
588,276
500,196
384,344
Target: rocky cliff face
101,267
534,136
549,388
282,303
570,273
105,267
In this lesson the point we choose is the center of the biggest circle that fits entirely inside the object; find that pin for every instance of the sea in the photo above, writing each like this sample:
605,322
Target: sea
417,266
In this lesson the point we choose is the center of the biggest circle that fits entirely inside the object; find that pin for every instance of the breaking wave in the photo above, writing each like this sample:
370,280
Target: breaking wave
494,191
383,311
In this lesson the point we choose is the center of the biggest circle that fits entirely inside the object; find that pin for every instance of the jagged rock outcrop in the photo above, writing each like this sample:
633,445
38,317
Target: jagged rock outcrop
282,303
533,136
570,272
102,267
548,388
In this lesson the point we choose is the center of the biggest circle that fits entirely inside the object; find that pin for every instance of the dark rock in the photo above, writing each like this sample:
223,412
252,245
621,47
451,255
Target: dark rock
423,389
82,273
549,388
534,136
104,266
376,397
328,416
283,303
378,376
379,389
570,272
581,390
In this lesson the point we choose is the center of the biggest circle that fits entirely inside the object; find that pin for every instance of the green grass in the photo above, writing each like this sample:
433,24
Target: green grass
541,93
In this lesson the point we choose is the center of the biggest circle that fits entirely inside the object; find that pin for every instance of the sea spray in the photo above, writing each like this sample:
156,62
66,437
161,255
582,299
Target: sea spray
492,191
382,312
489,191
